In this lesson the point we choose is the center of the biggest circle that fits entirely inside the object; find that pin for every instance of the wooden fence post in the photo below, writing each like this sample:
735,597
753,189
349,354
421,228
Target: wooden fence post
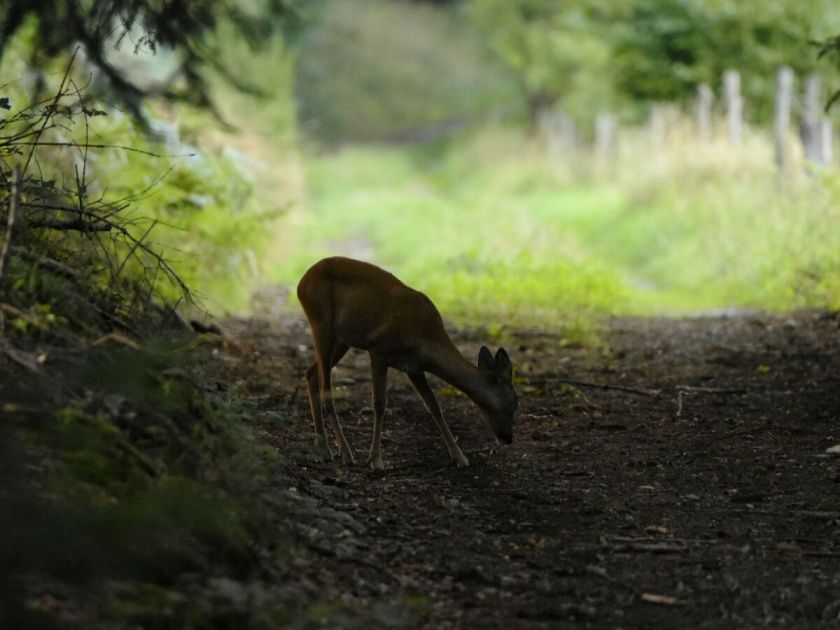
705,98
568,132
656,126
826,137
604,136
811,115
559,133
781,114
734,104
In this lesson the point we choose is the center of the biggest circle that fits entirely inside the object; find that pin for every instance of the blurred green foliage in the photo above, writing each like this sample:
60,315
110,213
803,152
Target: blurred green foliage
182,28
622,54
185,193
377,70
496,232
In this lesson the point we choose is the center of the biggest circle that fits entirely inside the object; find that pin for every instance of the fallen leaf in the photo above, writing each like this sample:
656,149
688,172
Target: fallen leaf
657,529
665,600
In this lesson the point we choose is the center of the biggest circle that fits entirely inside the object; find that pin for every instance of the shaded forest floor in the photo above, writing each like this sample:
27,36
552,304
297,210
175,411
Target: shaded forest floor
703,495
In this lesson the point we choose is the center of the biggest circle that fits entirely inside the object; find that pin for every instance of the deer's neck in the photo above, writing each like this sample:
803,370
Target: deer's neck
450,365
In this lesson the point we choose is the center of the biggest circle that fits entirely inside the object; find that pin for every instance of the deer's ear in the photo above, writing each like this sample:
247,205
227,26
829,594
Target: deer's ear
485,360
503,366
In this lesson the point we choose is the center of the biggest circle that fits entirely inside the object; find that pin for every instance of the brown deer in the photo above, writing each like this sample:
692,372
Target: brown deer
353,304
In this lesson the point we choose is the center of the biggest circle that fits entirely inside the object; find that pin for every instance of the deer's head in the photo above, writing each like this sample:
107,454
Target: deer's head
501,400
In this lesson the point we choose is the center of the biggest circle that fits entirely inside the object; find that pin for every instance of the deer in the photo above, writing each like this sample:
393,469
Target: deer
355,304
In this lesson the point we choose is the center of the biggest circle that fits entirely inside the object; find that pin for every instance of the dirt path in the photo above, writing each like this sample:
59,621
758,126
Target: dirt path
711,503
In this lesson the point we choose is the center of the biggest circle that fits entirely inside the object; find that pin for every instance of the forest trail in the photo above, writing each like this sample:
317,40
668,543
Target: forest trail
702,495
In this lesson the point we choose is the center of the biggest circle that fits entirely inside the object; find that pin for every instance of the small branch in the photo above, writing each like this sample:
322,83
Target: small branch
71,225
767,426
45,263
656,547
694,389
47,206
711,390
818,515
110,317
5,245
620,388
21,358
132,251
115,337
21,314
122,147
51,111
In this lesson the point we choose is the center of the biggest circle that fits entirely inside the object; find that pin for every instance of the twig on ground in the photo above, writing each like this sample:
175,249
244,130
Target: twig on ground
21,358
661,547
20,313
719,438
711,390
117,338
45,263
620,388
695,389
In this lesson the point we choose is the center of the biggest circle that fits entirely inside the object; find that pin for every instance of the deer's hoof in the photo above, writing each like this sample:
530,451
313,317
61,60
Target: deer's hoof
461,460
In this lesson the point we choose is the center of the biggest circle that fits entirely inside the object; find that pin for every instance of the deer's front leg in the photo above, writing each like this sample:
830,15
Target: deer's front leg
426,394
379,387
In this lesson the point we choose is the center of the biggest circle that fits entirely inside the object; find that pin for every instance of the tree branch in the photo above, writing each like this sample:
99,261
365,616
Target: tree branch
5,245
77,225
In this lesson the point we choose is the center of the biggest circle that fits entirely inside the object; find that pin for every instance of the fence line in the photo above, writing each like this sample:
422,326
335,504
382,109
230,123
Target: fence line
816,132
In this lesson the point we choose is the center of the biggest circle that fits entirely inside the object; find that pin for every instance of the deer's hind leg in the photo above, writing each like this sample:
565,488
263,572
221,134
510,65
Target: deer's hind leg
329,353
319,387
313,388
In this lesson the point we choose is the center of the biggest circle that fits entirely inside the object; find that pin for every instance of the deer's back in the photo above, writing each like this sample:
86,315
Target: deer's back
367,307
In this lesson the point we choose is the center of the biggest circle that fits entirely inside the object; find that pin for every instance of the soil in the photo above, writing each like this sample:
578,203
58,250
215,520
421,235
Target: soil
703,494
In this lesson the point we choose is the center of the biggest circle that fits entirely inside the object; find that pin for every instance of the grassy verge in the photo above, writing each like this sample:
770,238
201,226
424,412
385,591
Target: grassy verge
495,232
122,476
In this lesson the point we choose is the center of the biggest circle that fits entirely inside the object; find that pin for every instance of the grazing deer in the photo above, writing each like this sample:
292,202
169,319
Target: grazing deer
350,303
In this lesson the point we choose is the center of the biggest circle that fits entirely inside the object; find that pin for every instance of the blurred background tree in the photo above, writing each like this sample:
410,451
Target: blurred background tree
102,26
635,52
380,70
417,96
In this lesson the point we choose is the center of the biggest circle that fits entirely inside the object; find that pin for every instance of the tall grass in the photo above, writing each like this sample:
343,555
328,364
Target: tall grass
496,232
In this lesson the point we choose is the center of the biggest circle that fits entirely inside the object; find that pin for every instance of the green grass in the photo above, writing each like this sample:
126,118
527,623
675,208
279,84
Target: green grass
496,234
